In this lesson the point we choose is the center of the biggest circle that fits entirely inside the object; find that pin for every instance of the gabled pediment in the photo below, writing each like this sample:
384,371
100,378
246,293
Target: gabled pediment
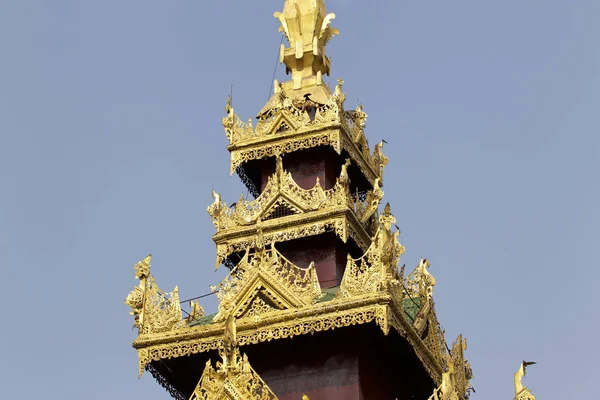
244,385
260,292
281,206
263,301
267,282
266,291
282,123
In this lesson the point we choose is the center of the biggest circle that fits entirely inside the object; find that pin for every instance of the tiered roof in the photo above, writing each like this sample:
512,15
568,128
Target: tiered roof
267,297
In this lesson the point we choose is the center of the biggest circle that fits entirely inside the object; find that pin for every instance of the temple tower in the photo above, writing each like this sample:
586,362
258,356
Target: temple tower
315,303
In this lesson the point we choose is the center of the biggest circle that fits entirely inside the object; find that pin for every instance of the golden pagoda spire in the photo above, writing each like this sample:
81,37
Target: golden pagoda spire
305,23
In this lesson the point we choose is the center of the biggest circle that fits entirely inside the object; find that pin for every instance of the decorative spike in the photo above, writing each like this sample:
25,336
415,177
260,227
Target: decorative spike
306,25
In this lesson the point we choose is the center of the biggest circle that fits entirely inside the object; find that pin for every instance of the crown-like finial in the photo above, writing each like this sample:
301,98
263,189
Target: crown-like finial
386,210
305,24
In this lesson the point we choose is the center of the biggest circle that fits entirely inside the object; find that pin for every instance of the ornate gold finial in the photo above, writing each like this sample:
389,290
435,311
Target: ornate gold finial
338,96
521,392
279,169
231,381
142,268
306,25
260,244
379,159
455,380
197,311
230,351
387,210
135,299
214,210
154,310
421,282
344,178
360,117
228,108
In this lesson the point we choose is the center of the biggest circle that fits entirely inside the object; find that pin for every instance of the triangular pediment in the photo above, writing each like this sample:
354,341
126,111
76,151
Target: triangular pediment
264,294
261,303
281,206
282,124
231,381
268,283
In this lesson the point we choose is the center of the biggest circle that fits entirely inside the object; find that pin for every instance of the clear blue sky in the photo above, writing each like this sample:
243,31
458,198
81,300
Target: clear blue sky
111,139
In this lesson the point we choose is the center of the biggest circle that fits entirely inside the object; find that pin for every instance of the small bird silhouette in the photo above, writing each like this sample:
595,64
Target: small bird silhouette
526,364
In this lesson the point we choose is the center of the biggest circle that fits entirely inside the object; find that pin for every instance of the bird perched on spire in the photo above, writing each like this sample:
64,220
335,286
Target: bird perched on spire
518,378
526,364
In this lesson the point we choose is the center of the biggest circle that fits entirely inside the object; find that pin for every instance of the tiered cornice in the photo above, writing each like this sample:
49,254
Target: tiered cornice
284,211
287,125
273,299
281,191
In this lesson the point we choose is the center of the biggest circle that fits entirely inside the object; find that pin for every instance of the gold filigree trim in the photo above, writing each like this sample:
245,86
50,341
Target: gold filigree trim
281,187
455,380
257,307
234,378
278,325
340,219
242,383
288,126
154,310
269,273
435,340
287,324
376,269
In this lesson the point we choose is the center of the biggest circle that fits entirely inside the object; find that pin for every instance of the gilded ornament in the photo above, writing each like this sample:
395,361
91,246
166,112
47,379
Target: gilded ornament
306,25
455,380
265,296
522,392
154,310
378,159
234,378
287,126
269,274
281,189
421,282
197,311
376,269
368,208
